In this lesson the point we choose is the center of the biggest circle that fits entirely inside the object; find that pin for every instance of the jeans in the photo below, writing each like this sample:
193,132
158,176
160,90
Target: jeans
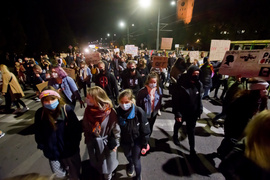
133,155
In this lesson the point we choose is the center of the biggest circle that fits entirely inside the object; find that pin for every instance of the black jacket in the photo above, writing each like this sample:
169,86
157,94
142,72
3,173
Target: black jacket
136,129
63,142
236,166
107,82
186,94
135,83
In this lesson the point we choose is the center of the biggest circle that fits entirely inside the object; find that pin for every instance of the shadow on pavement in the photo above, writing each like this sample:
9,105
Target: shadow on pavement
187,165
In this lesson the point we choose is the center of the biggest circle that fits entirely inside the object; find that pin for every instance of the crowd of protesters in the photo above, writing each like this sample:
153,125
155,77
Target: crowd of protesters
122,107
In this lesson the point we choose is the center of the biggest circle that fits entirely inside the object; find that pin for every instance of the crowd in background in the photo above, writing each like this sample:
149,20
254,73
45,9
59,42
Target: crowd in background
123,97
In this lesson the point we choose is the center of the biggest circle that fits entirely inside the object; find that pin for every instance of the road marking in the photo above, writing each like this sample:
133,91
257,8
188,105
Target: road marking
26,164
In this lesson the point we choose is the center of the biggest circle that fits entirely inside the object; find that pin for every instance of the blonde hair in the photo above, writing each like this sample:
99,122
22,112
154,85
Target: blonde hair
127,93
100,96
258,139
4,69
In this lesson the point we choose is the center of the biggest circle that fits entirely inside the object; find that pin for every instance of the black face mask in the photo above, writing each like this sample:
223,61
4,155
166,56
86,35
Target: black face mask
132,69
101,71
195,78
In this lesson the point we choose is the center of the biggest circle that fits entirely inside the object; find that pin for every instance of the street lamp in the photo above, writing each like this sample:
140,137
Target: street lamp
122,24
146,3
108,35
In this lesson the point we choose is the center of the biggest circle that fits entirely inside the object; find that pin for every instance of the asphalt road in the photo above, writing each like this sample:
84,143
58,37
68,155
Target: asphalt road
20,156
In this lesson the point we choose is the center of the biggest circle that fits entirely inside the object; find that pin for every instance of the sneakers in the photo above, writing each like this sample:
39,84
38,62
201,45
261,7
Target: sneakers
2,134
25,109
37,99
18,110
130,170
176,141
159,112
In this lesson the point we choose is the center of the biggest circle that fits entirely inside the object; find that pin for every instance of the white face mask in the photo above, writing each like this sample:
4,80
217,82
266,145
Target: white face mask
88,102
54,75
125,107
152,85
263,92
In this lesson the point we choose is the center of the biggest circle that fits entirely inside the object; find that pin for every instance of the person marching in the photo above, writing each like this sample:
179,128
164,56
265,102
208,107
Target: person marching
135,131
149,98
187,104
58,134
101,131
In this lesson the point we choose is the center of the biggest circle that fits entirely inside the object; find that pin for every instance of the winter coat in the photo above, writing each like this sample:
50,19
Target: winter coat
143,100
101,157
9,79
64,141
236,166
134,128
183,100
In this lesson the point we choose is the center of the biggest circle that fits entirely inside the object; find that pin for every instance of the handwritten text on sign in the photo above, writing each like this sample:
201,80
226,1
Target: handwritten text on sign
160,62
92,58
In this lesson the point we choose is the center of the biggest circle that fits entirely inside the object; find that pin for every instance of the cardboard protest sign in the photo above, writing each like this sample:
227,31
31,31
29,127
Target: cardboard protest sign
92,58
116,50
131,49
185,10
247,63
41,86
166,43
160,62
218,49
194,55
70,72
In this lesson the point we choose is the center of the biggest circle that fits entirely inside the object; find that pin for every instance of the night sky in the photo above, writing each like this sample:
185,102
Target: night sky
51,25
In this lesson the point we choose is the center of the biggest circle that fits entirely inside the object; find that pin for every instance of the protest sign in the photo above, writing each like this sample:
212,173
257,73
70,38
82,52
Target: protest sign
92,58
218,49
247,63
131,49
194,55
70,72
166,43
160,62
41,86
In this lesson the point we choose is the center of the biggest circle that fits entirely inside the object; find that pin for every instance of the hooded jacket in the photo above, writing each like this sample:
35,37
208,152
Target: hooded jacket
187,96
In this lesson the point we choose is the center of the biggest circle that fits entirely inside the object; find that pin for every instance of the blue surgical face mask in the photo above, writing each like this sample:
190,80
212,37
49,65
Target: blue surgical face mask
152,85
125,107
52,106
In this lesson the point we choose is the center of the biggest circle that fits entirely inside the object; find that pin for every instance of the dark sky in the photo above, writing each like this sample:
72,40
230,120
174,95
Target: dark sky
53,24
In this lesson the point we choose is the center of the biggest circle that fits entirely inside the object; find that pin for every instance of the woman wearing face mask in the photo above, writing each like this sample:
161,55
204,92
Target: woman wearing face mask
66,86
85,76
58,134
135,131
149,98
101,131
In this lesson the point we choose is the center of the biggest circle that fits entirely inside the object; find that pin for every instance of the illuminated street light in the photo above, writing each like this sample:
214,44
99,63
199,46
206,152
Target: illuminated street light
145,3
173,3
122,24
108,35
